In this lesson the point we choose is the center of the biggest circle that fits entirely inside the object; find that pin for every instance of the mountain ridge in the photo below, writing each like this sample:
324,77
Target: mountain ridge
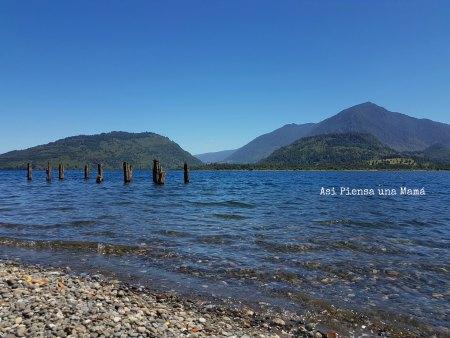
215,156
396,130
110,149
265,144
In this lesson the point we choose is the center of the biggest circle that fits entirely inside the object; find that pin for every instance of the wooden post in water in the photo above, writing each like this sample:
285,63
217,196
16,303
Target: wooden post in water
155,170
159,176
86,172
49,172
186,173
130,172
100,173
61,171
126,172
125,178
29,172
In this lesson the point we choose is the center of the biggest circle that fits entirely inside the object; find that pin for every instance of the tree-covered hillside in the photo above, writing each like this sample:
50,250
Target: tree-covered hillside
110,149
349,150
438,153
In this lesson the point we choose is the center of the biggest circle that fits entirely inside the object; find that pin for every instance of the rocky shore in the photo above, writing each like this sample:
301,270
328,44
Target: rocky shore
45,302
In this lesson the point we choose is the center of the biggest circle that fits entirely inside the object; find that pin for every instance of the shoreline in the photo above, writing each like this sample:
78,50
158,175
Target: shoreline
37,301
194,169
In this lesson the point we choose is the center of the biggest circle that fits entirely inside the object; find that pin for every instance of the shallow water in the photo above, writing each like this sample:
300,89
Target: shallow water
259,236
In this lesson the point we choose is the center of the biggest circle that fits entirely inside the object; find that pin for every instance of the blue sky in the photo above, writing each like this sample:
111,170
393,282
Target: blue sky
212,75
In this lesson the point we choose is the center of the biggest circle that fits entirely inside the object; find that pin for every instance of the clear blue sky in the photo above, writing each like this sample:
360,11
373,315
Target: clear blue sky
210,74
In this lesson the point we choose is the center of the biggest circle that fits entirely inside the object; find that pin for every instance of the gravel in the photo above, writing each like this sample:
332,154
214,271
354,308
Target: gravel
44,302
49,302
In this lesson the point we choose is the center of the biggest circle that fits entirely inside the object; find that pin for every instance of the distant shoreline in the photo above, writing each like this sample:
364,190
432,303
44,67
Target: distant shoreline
246,170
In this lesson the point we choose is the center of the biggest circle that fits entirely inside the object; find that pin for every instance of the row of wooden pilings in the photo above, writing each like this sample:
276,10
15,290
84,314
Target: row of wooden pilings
159,175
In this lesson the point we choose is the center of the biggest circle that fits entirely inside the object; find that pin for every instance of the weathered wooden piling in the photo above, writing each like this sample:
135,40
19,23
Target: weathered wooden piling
125,176
61,171
86,172
127,172
29,172
186,173
99,173
49,172
155,170
159,176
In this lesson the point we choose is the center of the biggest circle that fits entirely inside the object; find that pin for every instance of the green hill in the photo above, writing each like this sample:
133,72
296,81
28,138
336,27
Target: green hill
111,149
348,150
438,153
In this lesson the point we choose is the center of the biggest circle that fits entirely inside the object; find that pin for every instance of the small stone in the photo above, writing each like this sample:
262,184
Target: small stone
202,320
18,320
310,326
117,319
331,334
21,331
249,313
278,321
141,329
392,273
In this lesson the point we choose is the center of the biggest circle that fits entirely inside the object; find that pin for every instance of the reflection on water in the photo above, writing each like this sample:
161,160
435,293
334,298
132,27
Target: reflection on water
265,234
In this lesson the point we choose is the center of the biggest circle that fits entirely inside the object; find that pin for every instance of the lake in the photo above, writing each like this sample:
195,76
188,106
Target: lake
264,237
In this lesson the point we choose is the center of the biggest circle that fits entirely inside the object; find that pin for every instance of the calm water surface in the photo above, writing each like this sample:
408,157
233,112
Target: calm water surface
257,236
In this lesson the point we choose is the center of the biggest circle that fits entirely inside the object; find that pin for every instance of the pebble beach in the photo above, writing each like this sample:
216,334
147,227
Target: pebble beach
47,302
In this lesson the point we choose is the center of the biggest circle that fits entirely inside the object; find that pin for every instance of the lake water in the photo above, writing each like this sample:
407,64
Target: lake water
261,237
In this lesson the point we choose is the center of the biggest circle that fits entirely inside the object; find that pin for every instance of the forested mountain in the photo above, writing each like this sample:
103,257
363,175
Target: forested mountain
398,131
110,149
438,153
340,150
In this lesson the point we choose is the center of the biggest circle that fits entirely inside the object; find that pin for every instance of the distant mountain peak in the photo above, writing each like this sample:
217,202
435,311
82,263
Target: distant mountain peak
398,131
364,108
369,103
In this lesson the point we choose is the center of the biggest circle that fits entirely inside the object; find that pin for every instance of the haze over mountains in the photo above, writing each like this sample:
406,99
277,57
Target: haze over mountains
264,145
398,131
216,156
